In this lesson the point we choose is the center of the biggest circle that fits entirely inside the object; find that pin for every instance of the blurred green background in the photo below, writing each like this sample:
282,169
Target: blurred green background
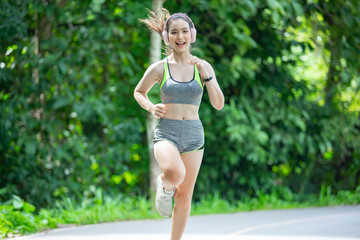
69,124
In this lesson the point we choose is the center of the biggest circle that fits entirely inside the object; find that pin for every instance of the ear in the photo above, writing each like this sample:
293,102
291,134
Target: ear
193,34
165,37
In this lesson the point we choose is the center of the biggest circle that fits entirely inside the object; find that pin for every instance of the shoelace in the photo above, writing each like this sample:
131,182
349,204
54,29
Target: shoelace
166,196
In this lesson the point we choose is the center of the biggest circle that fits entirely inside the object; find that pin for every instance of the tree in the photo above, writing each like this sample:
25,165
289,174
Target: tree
155,55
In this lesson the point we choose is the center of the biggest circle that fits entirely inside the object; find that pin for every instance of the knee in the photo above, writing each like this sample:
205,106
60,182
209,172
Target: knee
174,174
182,199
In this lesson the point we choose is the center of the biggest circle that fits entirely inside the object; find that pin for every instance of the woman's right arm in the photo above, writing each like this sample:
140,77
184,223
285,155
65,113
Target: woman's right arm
151,76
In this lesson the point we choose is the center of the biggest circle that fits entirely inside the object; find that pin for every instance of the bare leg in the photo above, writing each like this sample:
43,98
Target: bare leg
170,163
184,192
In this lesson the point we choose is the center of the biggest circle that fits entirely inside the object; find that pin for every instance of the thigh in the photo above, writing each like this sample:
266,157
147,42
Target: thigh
192,162
167,155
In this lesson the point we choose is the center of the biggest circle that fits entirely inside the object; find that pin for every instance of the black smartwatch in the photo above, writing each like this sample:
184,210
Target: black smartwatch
208,79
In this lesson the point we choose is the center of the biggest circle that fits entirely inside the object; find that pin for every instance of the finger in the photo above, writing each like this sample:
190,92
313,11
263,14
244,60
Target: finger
156,115
160,112
162,107
159,115
197,59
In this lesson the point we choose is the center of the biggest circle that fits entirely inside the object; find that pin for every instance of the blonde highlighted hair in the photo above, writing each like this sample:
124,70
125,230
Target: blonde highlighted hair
156,23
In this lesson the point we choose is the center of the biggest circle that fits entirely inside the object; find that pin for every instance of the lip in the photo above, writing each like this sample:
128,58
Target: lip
180,44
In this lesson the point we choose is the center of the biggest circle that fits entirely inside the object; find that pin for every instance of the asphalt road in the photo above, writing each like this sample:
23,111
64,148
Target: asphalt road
325,223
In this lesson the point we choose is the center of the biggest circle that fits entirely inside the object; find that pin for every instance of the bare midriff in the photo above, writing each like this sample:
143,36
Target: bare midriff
181,111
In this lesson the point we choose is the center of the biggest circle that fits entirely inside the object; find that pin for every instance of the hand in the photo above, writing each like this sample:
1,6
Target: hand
200,66
158,110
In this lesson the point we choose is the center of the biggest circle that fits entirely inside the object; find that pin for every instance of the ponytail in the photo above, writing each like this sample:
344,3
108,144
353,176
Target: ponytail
158,24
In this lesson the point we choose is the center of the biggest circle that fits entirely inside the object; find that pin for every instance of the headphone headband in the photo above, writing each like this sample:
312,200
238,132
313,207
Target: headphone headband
179,14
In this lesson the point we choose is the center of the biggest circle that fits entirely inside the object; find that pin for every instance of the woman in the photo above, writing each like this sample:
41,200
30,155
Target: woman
179,135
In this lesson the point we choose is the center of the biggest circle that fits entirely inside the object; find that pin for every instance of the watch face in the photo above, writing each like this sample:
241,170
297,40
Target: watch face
207,79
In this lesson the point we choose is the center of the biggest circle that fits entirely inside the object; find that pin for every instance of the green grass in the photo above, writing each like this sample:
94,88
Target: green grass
18,217
215,204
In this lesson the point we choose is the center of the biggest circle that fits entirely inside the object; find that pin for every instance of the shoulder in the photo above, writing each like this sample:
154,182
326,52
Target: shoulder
156,70
157,67
207,65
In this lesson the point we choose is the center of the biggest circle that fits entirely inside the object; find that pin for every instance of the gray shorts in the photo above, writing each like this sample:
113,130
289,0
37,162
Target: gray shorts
186,135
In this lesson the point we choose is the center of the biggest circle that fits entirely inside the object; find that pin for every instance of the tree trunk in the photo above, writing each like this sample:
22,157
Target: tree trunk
155,55
307,174
331,82
42,32
35,75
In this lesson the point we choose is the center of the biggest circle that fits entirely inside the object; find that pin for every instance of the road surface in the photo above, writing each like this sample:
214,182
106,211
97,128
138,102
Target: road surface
324,223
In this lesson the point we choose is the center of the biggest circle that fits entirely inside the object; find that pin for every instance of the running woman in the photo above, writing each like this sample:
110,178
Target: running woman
179,135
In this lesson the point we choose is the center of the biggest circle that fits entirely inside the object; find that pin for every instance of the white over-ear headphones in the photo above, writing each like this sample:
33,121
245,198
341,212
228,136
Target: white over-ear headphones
192,29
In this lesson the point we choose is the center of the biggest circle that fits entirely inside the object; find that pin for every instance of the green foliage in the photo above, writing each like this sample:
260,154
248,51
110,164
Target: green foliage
101,208
283,199
18,217
69,124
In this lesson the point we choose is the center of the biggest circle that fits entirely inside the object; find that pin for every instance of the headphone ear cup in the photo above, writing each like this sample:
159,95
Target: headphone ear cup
193,35
165,37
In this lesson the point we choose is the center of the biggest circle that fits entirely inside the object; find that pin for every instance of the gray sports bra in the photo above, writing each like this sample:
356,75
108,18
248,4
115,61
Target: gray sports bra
173,91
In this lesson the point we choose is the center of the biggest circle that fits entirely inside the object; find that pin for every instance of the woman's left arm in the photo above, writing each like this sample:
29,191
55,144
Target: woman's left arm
206,71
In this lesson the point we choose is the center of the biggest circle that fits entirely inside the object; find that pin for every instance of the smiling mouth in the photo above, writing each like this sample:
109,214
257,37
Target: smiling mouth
180,44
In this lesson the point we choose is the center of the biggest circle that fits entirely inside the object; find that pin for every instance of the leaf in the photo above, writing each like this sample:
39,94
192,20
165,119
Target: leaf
262,137
300,123
96,5
28,207
62,67
61,102
275,5
30,147
297,8
17,202
3,191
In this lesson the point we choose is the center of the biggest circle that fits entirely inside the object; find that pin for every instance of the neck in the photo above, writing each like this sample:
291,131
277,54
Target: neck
181,57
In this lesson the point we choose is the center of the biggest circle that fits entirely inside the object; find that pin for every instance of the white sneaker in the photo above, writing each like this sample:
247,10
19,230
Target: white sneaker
164,198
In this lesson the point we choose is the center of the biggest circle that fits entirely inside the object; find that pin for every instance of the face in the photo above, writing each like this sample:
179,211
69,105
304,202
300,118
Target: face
179,35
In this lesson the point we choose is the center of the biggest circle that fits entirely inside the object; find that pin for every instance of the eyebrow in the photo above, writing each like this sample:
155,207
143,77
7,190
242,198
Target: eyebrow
176,28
